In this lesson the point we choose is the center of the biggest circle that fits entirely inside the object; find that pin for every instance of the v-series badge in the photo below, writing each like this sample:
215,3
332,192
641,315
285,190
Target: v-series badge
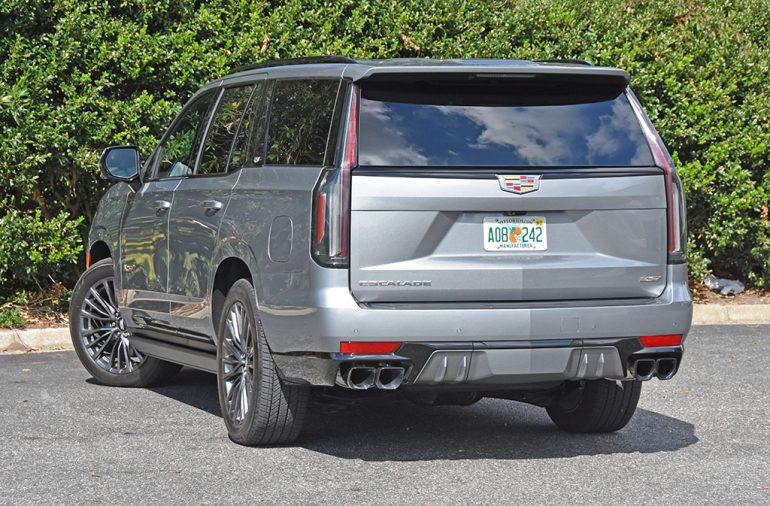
394,283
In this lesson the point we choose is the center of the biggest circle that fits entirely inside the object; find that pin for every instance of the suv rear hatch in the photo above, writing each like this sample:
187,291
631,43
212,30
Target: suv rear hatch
504,188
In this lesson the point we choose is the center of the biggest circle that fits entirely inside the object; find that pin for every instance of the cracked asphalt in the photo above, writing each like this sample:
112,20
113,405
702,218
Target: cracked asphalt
703,437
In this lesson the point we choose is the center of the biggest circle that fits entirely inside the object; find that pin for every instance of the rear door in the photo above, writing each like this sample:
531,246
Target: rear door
200,201
493,189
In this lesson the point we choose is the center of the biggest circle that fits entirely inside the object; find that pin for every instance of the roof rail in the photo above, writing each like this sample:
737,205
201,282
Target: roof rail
305,60
569,61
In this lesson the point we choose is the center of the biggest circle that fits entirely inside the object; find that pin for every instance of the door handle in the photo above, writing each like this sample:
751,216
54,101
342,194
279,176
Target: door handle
214,205
162,205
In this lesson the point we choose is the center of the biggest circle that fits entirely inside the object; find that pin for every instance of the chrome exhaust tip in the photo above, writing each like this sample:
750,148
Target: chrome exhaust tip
666,368
389,378
644,369
360,378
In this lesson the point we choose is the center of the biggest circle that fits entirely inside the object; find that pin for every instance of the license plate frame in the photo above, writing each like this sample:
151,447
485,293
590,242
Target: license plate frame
515,233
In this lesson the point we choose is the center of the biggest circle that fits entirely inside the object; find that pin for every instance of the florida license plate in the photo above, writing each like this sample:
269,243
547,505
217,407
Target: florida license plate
515,233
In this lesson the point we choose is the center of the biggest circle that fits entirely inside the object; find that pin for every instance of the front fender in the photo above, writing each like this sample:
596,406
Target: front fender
108,219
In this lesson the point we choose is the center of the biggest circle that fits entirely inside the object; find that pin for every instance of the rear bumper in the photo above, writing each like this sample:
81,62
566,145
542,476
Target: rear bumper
501,345
482,365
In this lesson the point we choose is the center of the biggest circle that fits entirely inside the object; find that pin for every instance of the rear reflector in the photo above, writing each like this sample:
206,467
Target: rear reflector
88,260
320,217
665,340
373,348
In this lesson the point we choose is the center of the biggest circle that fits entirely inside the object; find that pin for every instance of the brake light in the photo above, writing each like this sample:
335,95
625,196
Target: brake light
664,340
332,198
372,348
675,207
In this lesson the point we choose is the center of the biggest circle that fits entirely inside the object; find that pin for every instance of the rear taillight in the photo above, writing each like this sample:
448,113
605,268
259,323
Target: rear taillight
675,205
331,198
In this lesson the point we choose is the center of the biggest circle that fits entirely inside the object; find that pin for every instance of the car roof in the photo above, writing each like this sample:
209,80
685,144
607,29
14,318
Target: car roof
356,70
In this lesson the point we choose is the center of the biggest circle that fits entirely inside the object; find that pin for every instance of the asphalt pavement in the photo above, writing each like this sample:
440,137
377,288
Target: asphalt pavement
703,437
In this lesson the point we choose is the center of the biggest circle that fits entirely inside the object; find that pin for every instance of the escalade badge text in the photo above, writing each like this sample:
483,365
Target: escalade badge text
519,184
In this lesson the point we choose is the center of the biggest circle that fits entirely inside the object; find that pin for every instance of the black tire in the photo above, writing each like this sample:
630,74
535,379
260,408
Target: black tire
598,406
276,410
137,369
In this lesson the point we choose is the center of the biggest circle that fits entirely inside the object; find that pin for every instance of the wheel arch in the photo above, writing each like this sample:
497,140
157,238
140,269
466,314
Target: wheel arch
229,269
99,250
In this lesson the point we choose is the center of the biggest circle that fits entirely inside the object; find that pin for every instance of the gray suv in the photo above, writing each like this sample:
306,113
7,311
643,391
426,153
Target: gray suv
444,230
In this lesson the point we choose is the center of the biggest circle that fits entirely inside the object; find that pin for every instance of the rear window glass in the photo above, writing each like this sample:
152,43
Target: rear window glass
461,124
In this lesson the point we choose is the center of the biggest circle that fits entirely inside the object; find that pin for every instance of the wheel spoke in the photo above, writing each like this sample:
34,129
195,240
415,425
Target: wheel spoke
94,316
136,356
232,352
242,326
109,289
234,333
230,360
231,394
95,330
125,363
249,384
244,400
98,340
100,352
111,360
109,310
232,373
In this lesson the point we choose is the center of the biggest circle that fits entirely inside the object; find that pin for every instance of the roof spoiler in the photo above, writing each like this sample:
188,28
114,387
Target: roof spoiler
553,72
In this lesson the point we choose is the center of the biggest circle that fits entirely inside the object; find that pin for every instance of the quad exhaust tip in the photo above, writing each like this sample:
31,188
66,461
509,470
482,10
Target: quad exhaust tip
644,369
389,378
666,368
662,368
360,378
366,377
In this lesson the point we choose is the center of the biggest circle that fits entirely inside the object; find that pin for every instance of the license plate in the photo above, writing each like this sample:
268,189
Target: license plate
515,233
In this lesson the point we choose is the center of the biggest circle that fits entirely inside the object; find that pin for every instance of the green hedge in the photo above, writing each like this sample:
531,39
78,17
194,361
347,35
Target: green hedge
78,76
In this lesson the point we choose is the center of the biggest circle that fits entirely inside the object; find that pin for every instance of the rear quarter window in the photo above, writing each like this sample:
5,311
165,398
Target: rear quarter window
438,124
301,115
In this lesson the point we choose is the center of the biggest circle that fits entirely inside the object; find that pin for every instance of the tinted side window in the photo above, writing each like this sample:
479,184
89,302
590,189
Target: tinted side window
176,155
250,139
300,117
223,128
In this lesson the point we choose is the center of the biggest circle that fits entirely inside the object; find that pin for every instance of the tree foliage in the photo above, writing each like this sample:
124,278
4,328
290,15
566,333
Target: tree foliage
78,76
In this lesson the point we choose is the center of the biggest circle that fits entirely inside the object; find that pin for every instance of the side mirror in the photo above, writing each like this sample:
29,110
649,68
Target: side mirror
121,163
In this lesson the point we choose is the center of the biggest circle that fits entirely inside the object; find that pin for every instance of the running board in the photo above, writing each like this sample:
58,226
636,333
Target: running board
177,354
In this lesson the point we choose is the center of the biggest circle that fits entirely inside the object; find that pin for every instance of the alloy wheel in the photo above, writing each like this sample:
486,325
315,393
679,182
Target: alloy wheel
238,362
103,331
